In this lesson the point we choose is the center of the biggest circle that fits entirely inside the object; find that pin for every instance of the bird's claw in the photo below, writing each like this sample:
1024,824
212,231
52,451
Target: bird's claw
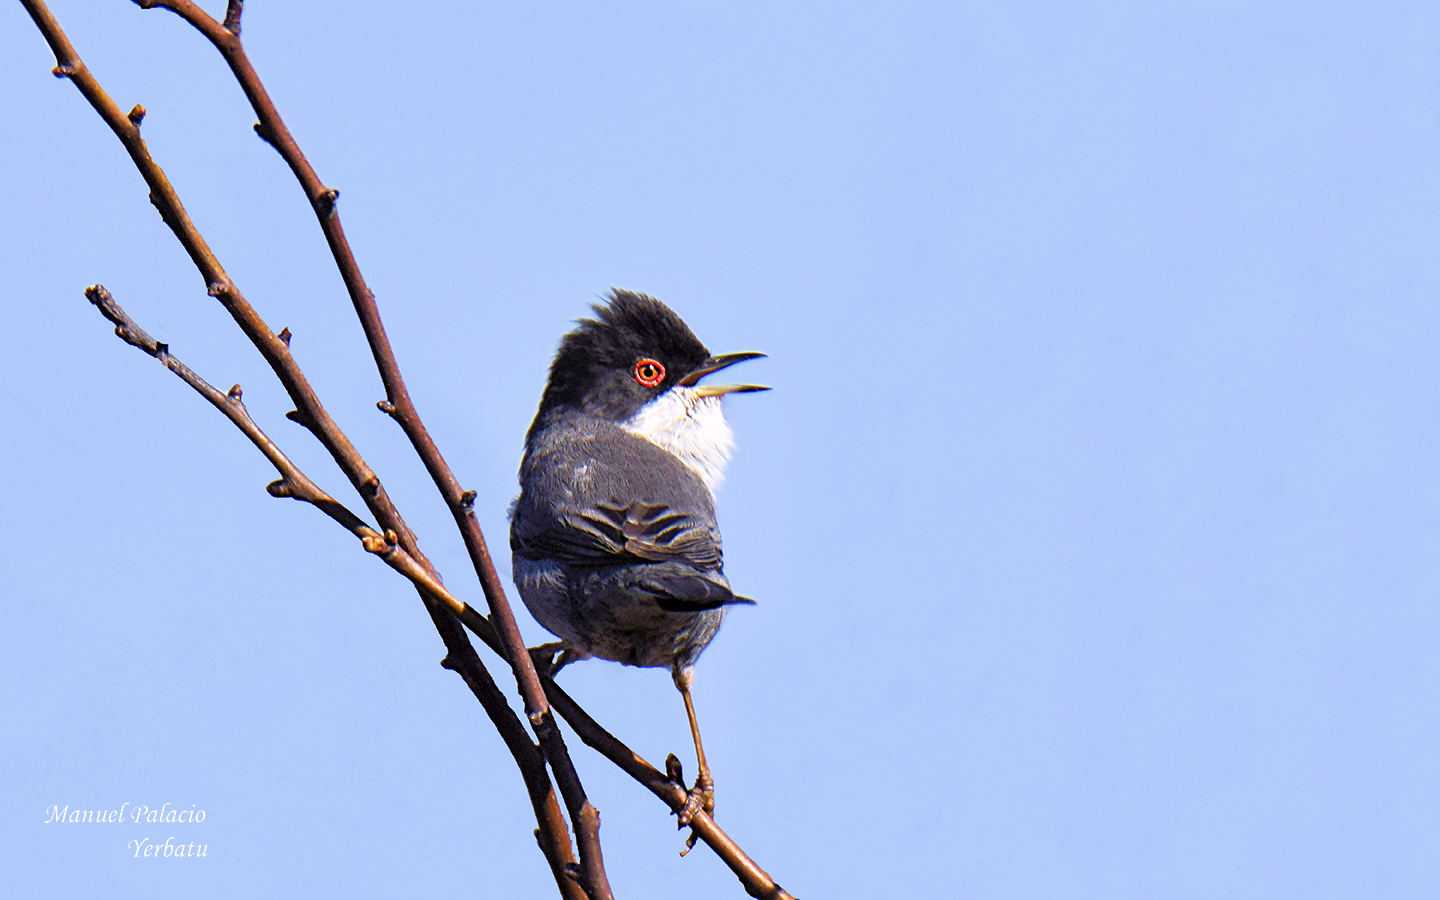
699,798
543,658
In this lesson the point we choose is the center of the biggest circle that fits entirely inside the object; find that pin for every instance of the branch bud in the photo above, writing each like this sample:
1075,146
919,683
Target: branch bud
325,203
284,336
235,393
63,71
280,488
386,407
136,115
467,501
264,133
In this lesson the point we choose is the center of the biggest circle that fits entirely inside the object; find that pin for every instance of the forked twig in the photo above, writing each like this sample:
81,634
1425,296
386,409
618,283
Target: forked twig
461,658
757,881
309,411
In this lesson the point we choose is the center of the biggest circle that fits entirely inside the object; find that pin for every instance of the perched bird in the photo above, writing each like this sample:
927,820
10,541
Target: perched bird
613,538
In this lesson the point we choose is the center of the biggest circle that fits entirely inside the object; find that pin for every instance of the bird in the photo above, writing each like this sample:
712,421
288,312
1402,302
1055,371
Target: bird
614,543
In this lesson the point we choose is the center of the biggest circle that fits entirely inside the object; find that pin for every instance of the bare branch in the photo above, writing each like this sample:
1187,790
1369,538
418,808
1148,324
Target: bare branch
293,482
462,659
275,349
756,880
218,284
585,818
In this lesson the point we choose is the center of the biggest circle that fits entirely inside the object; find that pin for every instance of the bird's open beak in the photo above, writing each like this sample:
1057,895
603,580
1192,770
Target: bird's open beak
715,364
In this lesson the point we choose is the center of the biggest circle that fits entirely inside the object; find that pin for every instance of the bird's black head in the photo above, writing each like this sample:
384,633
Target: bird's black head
633,350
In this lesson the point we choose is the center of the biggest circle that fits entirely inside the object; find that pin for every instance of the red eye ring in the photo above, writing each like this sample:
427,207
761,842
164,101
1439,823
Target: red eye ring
648,372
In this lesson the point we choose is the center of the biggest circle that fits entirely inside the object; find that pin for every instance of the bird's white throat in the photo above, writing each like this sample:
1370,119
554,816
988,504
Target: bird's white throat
690,427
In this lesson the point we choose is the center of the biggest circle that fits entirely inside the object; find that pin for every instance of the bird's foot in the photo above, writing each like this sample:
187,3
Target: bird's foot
543,657
546,661
699,798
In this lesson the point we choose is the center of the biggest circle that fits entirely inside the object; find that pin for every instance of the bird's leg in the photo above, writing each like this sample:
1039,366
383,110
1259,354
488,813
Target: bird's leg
704,783
702,795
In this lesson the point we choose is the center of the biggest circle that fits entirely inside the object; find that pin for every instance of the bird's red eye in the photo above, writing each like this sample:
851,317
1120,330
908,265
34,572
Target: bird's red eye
649,372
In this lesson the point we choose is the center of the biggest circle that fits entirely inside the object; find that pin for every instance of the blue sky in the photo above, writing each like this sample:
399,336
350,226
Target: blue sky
1094,518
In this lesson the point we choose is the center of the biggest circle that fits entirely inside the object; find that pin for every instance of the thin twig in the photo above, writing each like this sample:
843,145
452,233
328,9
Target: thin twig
585,818
309,410
233,9
292,482
462,658
756,880
272,347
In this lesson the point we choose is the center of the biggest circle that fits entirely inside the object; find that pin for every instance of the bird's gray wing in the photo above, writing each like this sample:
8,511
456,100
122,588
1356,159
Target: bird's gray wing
599,498
670,555
609,534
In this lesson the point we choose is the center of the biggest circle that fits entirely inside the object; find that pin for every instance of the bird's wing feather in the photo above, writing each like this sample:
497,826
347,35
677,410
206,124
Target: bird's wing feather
607,534
685,590
604,498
